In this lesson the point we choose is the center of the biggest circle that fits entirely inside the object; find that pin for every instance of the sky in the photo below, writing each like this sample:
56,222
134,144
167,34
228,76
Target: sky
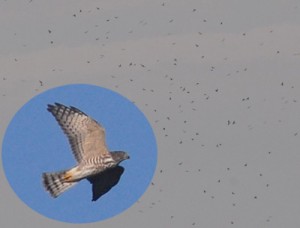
34,144
217,80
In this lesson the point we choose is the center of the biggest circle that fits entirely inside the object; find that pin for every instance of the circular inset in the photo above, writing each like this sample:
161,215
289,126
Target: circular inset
34,144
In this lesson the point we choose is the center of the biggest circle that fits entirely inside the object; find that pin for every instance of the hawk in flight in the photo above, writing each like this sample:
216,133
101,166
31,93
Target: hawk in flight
94,161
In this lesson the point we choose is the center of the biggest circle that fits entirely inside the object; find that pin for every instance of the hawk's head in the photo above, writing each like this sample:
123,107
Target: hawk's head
119,156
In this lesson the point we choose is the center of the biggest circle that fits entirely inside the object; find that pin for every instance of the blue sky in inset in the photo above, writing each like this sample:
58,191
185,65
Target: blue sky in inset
34,143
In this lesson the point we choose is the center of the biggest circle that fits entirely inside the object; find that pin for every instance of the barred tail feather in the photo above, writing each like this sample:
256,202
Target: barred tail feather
55,183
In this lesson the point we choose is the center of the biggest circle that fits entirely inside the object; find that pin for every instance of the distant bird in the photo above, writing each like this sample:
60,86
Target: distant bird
94,161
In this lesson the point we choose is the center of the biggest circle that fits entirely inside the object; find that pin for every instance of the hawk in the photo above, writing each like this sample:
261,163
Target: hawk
94,162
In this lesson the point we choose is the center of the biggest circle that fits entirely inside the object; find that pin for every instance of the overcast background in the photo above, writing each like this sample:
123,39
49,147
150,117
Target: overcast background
218,80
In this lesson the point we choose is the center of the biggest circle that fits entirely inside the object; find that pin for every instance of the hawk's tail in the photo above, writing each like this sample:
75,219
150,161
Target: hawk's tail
56,183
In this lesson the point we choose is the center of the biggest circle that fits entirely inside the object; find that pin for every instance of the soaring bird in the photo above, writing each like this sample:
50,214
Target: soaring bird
87,139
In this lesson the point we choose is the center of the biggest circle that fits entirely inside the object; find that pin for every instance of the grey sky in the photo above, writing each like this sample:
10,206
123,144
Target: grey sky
218,81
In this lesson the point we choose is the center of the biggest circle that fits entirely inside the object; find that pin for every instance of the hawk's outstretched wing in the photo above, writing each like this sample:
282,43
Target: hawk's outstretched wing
86,136
104,181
